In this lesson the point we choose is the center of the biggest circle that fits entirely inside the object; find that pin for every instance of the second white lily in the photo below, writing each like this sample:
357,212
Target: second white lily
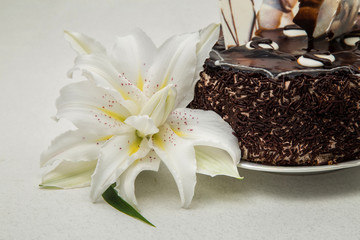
130,114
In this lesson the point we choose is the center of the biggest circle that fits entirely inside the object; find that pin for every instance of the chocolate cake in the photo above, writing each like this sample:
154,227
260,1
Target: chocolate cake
290,99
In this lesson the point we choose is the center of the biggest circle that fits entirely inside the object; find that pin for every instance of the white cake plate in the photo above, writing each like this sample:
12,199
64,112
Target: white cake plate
298,169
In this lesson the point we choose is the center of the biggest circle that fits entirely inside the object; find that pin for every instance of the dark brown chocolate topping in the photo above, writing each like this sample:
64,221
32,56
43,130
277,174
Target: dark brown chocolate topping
290,49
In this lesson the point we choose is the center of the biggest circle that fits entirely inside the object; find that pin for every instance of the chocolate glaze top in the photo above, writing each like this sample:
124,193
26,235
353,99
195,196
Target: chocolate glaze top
285,59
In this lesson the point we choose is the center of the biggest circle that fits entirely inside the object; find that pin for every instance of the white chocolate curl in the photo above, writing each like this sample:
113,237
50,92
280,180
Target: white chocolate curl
294,32
351,41
331,18
346,18
308,62
276,13
273,45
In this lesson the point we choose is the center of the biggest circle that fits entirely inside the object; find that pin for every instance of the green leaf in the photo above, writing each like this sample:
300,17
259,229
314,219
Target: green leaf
111,197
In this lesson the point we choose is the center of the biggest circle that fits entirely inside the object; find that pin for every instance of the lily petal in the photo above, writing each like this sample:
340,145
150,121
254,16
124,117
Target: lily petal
83,44
208,37
89,107
115,157
214,161
98,68
73,146
125,185
160,105
143,124
178,155
98,81
205,128
174,64
72,157
133,55
69,174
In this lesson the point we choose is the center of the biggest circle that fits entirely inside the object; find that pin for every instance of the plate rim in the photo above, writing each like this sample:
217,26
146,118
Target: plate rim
297,169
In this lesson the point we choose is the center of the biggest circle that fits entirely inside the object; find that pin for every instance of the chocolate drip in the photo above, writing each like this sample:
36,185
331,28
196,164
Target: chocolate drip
307,15
257,40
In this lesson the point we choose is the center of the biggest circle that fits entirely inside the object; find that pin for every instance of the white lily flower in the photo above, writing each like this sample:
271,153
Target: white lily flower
130,114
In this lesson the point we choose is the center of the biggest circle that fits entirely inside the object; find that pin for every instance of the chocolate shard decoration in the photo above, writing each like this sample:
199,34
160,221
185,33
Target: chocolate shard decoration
276,13
242,19
237,21
330,18
344,19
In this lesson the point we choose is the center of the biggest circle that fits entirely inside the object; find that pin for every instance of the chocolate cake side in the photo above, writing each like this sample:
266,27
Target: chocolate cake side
305,119
287,80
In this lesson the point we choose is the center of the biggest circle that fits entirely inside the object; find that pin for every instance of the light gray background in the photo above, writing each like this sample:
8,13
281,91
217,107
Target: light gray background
34,59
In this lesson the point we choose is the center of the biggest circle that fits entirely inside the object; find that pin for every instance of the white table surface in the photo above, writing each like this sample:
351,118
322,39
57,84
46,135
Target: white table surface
34,59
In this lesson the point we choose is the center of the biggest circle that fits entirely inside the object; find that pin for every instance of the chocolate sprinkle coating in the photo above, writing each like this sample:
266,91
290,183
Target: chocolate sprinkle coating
289,120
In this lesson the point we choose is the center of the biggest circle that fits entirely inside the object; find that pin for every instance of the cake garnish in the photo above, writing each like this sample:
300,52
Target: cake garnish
262,43
316,59
352,38
294,30
131,115
330,18
238,19
242,20
273,14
